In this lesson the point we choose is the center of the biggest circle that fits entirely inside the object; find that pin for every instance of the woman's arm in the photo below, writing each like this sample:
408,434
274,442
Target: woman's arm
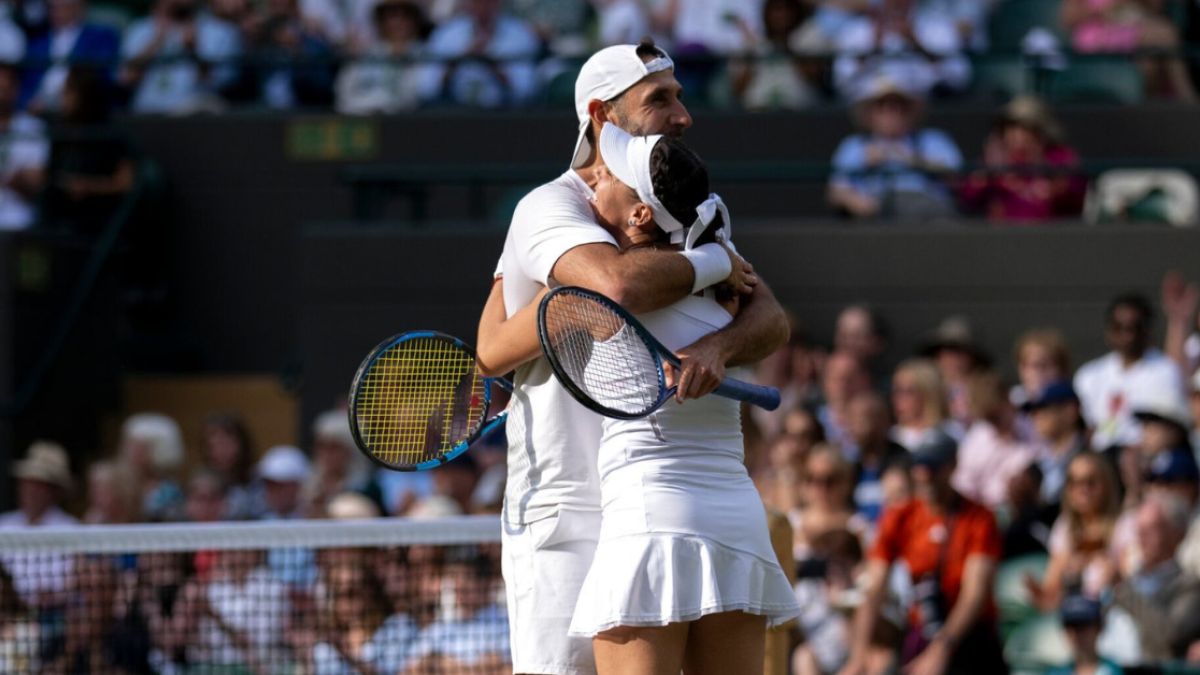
504,342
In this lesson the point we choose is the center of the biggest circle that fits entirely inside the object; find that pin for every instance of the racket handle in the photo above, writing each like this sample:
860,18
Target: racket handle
766,398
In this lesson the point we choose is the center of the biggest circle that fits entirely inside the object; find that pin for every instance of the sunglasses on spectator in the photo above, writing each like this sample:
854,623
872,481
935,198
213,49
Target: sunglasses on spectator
1126,326
1089,480
821,480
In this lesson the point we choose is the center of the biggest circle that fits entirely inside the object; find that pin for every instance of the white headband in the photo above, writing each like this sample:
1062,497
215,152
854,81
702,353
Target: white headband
628,157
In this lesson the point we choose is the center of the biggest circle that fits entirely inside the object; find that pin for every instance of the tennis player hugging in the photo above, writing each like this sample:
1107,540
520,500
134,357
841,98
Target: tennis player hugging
683,576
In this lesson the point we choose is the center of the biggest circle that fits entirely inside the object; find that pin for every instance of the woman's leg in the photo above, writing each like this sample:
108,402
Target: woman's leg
630,650
729,643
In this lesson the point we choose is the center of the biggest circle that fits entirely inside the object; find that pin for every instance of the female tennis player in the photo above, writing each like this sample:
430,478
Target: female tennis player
684,576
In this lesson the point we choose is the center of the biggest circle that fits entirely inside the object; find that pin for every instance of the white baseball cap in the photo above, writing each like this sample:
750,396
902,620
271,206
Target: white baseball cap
628,157
606,76
284,464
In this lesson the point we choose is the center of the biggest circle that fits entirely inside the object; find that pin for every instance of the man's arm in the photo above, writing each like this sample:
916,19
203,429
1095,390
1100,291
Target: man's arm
643,279
759,329
976,581
866,616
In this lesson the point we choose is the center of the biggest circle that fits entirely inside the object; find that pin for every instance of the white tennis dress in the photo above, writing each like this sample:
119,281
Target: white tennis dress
684,532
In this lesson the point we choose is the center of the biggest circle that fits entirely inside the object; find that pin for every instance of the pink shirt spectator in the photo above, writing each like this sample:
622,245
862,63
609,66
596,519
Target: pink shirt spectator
1101,34
987,462
1028,196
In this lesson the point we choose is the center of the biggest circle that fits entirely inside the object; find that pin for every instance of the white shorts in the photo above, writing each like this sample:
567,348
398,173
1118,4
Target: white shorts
544,564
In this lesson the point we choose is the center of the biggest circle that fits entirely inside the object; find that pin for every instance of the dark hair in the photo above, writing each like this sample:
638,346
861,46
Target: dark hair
840,544
680,182
408,9
1138,302
91,96
798,16
647,48
235,426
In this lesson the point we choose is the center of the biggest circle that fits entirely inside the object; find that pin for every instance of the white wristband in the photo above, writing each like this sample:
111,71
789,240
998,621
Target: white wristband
711,263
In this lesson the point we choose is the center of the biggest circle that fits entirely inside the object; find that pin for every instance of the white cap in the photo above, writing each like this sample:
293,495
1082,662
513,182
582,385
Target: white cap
284,464
628,157
606,76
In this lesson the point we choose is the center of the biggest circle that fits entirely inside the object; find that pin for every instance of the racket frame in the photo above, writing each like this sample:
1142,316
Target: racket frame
484,427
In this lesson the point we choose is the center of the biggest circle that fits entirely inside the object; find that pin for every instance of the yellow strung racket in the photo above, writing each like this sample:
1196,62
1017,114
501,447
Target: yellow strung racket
418,401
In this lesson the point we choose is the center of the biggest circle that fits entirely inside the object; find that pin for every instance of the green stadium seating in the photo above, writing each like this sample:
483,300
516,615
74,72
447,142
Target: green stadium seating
1013,19
1114,79
115,16
1037,644
1003,76
1012,597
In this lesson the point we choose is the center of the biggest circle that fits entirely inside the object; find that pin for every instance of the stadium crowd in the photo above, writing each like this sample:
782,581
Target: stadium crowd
1077,488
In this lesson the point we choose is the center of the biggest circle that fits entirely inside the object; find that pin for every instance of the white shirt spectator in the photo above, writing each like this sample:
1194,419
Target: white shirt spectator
255,607
387,650
468,641
936,34
178,85
49,93
1109,393
23,147
342,22
12,40
718,24
621,22
38,574
514,46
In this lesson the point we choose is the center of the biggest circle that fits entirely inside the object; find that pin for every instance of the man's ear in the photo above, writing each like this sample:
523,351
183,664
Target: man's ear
598,112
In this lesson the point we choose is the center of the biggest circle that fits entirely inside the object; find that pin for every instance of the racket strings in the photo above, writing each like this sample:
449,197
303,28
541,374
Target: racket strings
420,399
602,355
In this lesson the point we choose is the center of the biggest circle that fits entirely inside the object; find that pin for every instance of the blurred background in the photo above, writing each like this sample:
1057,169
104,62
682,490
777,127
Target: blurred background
211,210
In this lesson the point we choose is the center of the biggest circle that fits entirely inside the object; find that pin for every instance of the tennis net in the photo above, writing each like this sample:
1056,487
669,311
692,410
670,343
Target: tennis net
372,597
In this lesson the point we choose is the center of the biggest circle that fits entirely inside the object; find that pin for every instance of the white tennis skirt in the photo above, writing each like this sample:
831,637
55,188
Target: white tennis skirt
679,546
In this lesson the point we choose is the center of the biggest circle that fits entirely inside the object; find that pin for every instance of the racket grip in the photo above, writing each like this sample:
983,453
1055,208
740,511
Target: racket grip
766,398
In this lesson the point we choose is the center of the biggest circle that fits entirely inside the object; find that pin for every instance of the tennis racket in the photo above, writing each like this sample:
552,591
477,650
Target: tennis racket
610,363
418,400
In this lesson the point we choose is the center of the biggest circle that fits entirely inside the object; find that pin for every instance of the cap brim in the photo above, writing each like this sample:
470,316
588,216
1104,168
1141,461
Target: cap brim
614,150
582,147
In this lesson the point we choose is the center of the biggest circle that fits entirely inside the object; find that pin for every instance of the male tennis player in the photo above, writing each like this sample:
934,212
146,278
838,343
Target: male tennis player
552,498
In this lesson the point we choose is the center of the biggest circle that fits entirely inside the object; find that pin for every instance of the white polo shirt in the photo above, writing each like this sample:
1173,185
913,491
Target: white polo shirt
552,440
1109,393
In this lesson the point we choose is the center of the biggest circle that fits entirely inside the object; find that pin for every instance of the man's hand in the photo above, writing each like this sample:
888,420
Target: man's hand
701,369
856,665
932,661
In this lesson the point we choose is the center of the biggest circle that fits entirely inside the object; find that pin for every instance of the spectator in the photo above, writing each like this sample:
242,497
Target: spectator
781,482
1165,426
241,613
152,445
828,486
283,471
1110,386
891,169
1082,545
1179,302
843,378
1175,473
1162,599
206,502
560,25
992,453
490,58
22,166
383,82
293,57
1027,173
353,631
956,351
344,24
902,39
176,60
473,636
1083,621
867,427
338,466
113,497
1026,519
919,403
970,18
860,331
950,545
91,169
775,77
620,22
1126,26
1060,435
12,39
40,579
228,452
794,370
95,638
824,588
711,27
1042,358
19,630
71,40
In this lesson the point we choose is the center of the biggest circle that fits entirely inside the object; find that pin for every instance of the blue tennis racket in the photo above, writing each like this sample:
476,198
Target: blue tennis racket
610,363
418,401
